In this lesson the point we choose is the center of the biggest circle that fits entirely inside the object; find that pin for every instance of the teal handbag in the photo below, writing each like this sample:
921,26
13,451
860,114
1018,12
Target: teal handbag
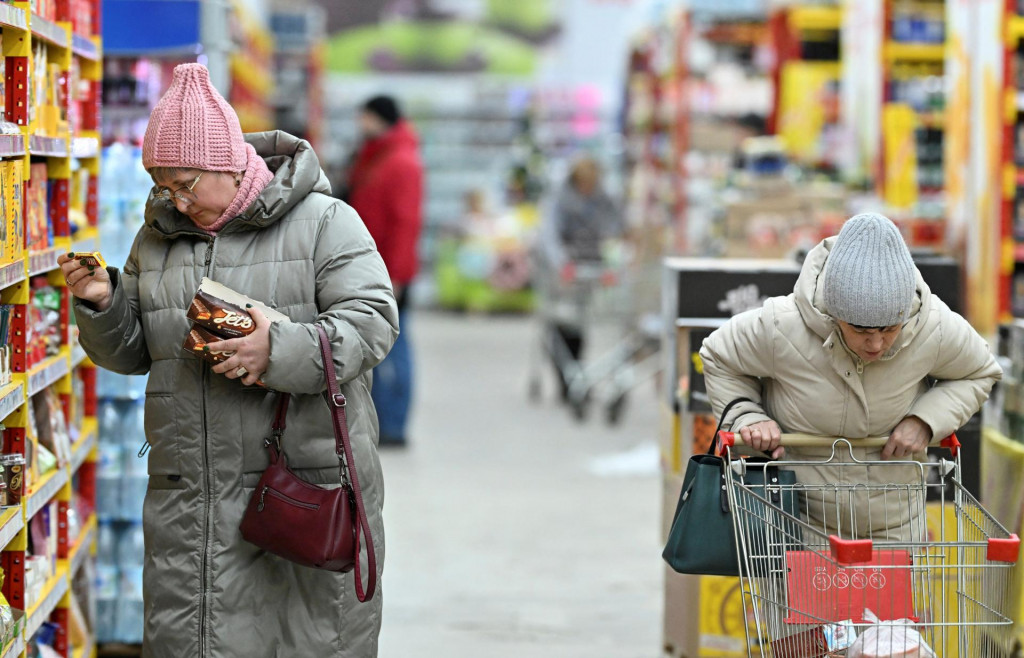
702,540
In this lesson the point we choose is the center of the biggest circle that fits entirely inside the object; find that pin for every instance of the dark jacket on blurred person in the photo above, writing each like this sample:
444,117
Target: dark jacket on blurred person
386,189
584,217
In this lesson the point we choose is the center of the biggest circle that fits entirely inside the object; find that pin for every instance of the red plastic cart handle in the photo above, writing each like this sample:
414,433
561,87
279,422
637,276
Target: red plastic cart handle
850,551
952,443
1003,550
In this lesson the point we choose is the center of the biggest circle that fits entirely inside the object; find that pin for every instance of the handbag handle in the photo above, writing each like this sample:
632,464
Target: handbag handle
343,448
712,447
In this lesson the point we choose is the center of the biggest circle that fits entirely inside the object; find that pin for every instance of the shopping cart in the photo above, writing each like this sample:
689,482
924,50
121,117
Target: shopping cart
857,543
600,304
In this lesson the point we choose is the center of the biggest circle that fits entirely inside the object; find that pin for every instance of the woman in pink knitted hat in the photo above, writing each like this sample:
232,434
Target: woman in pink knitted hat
253,212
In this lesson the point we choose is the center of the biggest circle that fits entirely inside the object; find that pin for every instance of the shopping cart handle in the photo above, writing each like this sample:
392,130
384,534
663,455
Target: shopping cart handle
850,551
732,439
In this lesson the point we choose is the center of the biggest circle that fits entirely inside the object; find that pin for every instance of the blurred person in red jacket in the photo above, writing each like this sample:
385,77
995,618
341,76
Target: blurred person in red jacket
385,186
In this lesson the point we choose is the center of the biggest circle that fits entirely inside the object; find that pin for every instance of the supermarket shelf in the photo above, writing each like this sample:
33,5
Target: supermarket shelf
53,592
932,119
16,647
80,551
81,449
48,372
815,18
13,17
43,261
12,273
49,31
52,147
12,396
915,52
84,47
12,146
45,491
85,147
85,240
11,523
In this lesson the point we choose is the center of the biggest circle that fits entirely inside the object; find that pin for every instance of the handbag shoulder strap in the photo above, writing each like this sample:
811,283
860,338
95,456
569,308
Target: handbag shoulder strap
336,402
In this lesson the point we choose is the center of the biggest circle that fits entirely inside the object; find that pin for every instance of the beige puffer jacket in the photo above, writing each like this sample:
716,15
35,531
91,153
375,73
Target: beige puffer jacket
790,359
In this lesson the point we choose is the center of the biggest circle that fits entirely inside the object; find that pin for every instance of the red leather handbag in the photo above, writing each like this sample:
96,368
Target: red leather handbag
306,524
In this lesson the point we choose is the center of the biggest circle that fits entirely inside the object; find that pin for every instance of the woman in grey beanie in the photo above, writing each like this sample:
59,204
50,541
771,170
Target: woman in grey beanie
860,348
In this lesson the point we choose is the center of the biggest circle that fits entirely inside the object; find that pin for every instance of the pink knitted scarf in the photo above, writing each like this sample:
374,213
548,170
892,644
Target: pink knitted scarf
256,178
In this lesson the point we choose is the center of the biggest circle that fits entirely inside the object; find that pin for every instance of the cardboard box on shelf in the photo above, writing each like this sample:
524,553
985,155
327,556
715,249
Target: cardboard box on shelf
769,227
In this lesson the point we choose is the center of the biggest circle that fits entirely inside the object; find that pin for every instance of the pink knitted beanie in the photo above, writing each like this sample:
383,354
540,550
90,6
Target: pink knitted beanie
193,126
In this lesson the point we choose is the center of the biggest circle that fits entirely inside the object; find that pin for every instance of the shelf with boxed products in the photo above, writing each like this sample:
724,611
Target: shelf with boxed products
82,548
49,31
12,396
48,372
48,487
78,356
81,449
53,592
11,523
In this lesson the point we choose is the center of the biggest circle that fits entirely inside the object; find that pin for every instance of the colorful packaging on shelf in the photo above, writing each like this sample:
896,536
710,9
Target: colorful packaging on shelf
13,193
14,477
37,217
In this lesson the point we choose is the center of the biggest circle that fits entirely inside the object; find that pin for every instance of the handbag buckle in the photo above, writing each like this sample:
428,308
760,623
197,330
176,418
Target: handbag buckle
274,440
339,400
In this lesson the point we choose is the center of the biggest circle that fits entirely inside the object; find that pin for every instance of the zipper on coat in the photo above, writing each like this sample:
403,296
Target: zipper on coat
274,493
208,266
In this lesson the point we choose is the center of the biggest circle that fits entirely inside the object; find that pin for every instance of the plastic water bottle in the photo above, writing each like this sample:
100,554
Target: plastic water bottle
130,610
133,429
107,584
131,547
109,471
110,422
133,486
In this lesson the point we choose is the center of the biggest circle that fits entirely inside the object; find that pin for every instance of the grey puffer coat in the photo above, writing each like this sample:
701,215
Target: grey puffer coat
208,593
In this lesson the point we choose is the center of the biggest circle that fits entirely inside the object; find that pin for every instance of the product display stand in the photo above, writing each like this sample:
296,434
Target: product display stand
806,73
58,138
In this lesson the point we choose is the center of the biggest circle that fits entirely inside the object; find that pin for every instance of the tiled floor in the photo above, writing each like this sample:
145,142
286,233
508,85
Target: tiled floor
503,539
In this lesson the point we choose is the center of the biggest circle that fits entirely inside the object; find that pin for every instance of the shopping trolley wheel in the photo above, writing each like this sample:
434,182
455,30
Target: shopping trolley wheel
613,414
535,391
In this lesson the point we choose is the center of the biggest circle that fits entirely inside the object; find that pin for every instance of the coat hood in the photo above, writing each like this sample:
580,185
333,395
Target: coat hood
810,299
297,173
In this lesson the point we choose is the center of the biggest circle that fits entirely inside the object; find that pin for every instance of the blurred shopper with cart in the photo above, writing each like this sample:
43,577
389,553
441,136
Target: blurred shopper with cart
861,348
385,186
584,278
584,220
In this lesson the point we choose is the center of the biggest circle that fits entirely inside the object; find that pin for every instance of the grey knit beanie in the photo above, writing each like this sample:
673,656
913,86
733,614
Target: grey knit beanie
870,278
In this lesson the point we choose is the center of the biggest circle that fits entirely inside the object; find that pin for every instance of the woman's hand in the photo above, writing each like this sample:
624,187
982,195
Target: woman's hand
87,282
911,436
251,352
764,436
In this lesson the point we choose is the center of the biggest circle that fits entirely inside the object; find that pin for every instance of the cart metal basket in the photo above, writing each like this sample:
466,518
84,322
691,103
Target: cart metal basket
861,548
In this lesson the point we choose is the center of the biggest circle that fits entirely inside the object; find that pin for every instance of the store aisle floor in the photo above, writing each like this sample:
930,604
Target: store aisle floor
503,539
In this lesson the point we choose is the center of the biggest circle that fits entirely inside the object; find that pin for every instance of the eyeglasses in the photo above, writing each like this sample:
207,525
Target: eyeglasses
183,193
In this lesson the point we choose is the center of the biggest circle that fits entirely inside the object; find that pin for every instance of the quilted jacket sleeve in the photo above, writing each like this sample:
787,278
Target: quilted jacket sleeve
965,372
735,358
357,309
113,338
